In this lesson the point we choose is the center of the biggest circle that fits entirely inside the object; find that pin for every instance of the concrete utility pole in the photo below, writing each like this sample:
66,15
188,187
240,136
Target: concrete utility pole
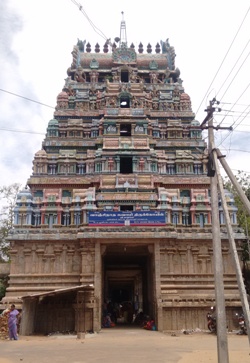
242,289
234,181
222,344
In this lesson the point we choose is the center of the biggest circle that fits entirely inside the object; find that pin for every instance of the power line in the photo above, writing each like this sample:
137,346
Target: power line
224,59
230,103
231,111
229,123
22,131
232,71
246,132
235,75
244,171
236,103
242,151
230,133
26,98
97,30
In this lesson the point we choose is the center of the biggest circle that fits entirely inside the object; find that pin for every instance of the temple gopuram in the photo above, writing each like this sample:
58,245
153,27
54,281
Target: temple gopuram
117,210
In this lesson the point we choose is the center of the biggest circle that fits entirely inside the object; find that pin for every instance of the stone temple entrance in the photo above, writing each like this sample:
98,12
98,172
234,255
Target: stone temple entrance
128,281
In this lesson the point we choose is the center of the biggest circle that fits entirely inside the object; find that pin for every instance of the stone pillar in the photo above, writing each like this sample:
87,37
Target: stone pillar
190,264
134,164
117,159
14,260
27,265
183,262
170,259
33,259
29,218
97,314
64,259
70,255
39,253
59,217
195,252
157,282
88,263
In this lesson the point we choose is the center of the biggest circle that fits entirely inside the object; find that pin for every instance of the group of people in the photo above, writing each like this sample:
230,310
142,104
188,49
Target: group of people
114,313
109,314
125,313
13,316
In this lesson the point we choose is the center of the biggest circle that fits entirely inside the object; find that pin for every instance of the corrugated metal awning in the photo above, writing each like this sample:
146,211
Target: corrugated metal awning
58,291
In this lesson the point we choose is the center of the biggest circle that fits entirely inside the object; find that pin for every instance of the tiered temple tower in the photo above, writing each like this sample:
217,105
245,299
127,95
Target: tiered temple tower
119,198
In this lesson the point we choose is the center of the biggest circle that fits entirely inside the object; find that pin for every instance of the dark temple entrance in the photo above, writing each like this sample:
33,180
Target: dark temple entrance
128,287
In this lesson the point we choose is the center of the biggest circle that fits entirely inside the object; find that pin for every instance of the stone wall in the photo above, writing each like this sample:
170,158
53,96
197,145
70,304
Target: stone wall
195,318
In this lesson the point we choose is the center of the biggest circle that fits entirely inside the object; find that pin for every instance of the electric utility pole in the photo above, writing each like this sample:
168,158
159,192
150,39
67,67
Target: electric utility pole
213,170
242,289
222,344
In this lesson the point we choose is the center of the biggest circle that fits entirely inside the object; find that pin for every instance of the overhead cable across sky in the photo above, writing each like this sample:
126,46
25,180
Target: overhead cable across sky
25,98
223,60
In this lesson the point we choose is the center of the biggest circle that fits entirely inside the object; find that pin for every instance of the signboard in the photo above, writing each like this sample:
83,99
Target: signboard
128,218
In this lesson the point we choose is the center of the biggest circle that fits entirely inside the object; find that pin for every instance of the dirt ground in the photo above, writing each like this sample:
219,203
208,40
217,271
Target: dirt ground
120,345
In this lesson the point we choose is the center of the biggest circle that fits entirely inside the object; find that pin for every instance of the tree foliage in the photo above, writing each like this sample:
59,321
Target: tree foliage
3,286
7,204
243,217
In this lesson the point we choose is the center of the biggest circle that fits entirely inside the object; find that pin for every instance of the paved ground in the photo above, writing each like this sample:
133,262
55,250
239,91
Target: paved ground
120,345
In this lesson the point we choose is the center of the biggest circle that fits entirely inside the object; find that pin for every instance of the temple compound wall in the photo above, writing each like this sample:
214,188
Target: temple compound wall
180,288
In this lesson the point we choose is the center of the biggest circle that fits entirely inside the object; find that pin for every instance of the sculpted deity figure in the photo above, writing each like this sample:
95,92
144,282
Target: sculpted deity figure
79,75
116,78
136,102
153,77
111,102
70,91
133,77
94,77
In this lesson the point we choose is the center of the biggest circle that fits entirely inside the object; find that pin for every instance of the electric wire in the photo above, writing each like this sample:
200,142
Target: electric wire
244,125
22,131
242,114
231,111
235,104
246,132
240,150
236,121
232,72
234,76
223,60
104,36
229,103
26,98
97,30
244,171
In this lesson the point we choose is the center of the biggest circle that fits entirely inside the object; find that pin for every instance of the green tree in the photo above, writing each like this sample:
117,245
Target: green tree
7,204
3,286
243,217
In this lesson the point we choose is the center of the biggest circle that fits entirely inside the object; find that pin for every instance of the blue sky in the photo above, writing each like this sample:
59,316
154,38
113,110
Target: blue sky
37,37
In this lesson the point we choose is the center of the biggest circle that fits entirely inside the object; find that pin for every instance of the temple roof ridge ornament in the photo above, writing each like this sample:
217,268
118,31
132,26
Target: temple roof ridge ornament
123,33
170,53
153,65
94,64
124,54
